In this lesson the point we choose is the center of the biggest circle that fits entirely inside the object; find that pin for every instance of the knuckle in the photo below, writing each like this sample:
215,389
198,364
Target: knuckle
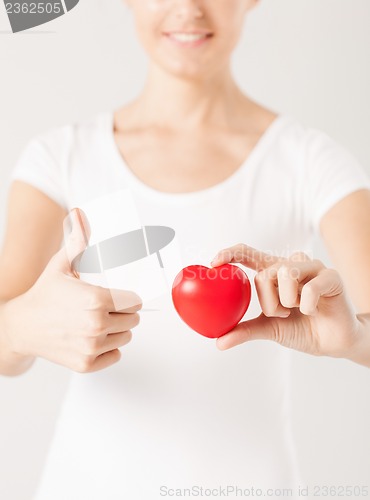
96,325
90,346
285,267
242,247
332,272
318,263
236,252
309,289
95,301
271,272
84,364
289,270
335,277
259,278
294,272
299,256
285,270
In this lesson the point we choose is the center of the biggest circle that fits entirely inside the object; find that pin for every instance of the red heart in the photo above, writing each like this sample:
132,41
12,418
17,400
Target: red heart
211,300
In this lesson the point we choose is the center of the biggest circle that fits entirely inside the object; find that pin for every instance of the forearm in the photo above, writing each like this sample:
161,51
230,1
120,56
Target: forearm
361,351
11,362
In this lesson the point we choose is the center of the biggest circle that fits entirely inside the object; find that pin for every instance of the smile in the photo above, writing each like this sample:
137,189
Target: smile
188,39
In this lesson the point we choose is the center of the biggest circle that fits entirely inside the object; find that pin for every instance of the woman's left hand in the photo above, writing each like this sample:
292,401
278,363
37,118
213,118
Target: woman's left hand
320,319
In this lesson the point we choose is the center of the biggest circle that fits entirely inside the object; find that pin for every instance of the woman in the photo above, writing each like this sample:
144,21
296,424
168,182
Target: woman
201,157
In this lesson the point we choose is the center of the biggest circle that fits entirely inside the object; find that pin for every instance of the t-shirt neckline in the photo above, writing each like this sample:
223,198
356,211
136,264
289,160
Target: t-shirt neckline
260,148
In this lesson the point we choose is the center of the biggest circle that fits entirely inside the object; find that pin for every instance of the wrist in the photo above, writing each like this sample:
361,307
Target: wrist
360,351
11,346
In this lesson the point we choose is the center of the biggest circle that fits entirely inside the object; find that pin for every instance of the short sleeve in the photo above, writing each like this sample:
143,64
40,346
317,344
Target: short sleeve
40,164
332,172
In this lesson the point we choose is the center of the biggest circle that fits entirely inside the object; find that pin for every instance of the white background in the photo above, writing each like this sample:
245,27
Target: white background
309,58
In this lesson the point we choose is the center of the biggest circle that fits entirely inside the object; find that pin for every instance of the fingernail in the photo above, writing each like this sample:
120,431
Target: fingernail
67,226
222,342
84,224
284,315
214,260
221,346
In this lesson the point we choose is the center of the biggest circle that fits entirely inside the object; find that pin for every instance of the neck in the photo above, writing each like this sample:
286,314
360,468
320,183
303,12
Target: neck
174,102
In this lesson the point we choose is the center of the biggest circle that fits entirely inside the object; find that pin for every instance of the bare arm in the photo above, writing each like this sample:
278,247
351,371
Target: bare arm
33,234
345,230
45,309
305,305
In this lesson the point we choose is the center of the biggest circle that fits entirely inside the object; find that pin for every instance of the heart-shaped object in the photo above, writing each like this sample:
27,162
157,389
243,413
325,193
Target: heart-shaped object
211,300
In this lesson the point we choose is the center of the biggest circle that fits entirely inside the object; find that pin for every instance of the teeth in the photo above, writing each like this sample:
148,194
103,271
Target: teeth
188,37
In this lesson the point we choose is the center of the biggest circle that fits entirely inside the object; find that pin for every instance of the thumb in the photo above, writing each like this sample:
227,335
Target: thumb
76,238
260,328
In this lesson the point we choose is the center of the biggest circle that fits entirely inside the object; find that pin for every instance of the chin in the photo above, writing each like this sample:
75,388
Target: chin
186,74
187,70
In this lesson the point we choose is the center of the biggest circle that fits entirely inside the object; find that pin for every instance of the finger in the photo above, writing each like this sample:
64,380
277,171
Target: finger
76,222
112,300
277,287
115,340
246,255
76,236
260,328
291,277
268,293
105,360
327,283
105,323
301,271
288,287
120,322
299,257
125,301
77,217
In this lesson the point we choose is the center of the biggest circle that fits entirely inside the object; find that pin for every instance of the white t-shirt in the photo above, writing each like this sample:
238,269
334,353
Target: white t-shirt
176,412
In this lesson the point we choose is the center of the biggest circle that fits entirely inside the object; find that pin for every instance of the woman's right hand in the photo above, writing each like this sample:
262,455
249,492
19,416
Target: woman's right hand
68,321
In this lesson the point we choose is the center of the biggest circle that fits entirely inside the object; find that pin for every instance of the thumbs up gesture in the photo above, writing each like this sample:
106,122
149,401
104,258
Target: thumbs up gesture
67,321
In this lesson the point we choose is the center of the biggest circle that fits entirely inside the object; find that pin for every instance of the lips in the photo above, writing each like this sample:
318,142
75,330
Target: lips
188,38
